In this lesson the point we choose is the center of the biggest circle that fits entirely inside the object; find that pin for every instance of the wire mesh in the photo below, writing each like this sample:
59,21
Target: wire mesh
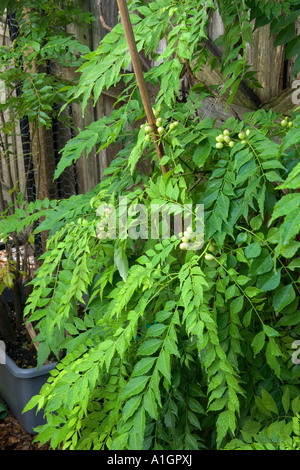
28,158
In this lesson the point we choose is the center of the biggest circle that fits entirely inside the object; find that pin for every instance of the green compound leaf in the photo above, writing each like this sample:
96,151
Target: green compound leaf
283,297
135,386
258,342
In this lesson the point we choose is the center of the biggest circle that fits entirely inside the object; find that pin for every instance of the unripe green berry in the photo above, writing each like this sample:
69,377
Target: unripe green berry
209,257
284,123
219,145
212,248
243,142
231,144
241,135
220,138
158,122
183,246
185,239
148,129
291,124
172,126
226,132
248,132
227,139
160,130
147,138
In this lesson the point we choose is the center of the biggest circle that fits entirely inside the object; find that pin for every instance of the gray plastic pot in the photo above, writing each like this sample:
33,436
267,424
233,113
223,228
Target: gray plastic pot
18,386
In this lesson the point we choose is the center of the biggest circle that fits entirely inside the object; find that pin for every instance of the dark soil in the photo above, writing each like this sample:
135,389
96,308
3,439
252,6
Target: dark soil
24,354
14,437
22,351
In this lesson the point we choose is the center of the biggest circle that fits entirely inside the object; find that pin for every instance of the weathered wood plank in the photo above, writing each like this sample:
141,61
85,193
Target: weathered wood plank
15,159
282,103
291,62
216,26
216,109
67,181
110,16
213,77
104,107
86,168
268,61
44,162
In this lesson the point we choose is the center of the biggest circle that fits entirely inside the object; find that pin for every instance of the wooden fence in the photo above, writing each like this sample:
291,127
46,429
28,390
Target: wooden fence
274,74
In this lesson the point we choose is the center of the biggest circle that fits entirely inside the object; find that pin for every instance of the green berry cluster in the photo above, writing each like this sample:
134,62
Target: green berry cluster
213,249
187,236
159,125
243,135
286,122
225,139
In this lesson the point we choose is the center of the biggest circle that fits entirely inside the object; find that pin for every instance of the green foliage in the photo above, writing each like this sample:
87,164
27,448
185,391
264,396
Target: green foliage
282,434
41,38
188,350
282,18
38,42
3,411
172,349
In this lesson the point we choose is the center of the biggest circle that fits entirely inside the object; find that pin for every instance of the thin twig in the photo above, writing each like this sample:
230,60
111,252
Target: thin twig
196,183
102,20
32,334
208,88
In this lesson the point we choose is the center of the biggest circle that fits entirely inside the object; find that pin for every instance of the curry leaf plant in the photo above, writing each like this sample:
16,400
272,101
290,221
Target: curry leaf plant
39,40
35,43
160,347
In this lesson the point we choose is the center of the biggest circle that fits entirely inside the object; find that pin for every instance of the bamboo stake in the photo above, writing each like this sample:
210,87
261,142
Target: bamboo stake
32,335
137,67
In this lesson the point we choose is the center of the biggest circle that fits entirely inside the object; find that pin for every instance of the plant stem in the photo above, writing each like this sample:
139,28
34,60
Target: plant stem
261,240
240,289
